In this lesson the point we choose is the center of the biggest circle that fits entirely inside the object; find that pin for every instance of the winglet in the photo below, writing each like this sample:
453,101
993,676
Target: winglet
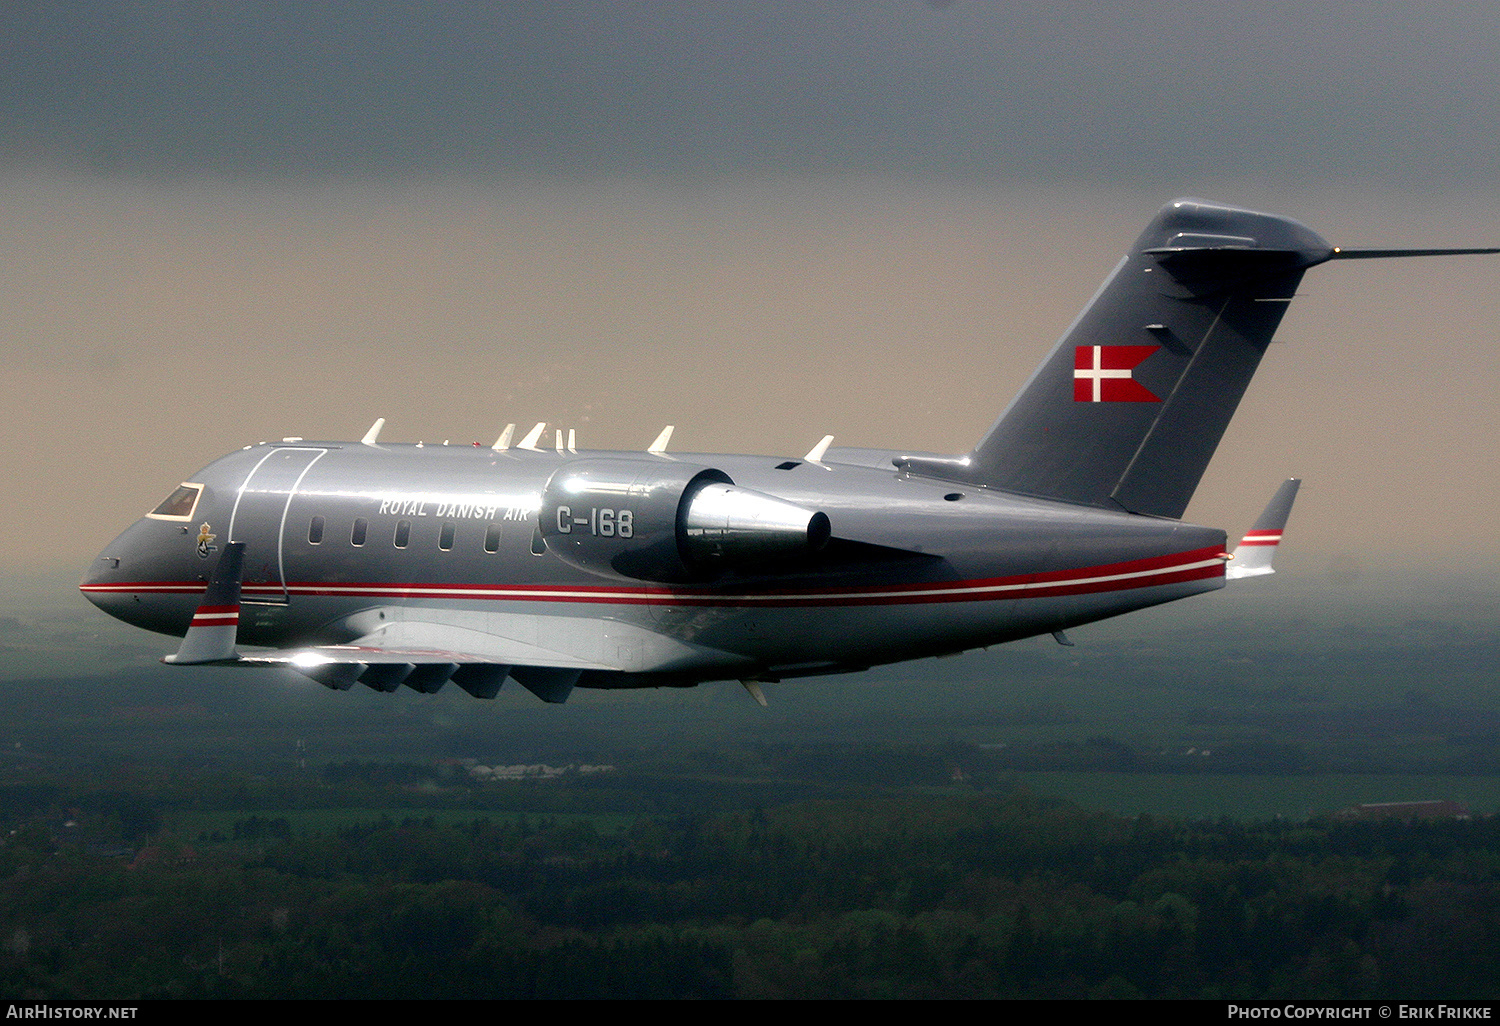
659,447
216,623
1252,557
374,432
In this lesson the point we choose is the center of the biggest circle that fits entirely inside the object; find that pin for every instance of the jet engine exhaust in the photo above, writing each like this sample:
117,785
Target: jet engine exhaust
726,524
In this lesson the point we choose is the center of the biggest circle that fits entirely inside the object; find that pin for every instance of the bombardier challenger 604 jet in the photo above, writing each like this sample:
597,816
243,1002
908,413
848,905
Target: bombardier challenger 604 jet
561,568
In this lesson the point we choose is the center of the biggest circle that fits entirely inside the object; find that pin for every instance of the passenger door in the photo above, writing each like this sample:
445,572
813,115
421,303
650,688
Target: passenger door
259,519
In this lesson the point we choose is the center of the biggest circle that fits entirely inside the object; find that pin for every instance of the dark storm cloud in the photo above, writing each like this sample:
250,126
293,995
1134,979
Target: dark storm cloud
1402,93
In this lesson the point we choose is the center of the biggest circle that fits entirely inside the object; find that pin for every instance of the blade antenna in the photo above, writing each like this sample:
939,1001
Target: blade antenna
529,442
815,454
659,447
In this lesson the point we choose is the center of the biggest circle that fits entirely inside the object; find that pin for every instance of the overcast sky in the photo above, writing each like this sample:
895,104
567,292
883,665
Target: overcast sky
762,222
1154,95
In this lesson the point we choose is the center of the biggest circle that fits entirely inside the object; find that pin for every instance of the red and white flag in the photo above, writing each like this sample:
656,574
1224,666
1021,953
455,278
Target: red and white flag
1103,374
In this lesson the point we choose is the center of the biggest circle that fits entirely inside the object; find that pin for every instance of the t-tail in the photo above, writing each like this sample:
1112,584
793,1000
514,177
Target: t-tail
1129,406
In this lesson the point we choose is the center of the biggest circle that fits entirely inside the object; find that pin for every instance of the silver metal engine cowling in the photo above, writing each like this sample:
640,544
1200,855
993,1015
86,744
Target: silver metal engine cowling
725,525
663,521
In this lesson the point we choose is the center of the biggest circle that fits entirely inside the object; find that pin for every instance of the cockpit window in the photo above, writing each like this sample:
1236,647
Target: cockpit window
180,504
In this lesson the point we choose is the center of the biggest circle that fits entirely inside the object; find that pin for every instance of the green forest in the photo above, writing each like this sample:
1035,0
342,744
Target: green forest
409,881
1160,811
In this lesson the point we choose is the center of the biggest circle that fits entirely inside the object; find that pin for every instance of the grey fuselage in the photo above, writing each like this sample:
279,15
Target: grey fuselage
344,537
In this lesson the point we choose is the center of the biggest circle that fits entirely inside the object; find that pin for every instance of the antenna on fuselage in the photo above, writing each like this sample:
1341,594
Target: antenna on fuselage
815,454
503,442
659,447
529,442
374,432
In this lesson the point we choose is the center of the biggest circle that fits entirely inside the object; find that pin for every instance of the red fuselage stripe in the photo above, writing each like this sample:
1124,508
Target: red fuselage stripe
1155,571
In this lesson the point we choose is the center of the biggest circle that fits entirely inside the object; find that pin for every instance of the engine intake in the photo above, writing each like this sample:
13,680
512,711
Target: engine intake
670,522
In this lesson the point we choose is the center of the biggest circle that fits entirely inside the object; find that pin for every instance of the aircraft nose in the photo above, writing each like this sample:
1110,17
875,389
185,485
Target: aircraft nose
148,576
107,577
103,572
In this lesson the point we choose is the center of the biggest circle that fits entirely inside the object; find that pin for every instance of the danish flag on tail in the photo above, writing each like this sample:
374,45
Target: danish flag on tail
1105,374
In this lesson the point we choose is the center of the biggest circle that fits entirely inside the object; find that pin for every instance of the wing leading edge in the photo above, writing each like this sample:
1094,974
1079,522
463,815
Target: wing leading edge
425,654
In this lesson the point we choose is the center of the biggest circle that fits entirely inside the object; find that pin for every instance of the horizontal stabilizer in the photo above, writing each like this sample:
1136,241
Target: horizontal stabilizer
1253,556
1340,253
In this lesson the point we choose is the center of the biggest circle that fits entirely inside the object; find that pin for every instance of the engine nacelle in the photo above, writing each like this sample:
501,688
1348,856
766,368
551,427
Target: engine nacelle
658,520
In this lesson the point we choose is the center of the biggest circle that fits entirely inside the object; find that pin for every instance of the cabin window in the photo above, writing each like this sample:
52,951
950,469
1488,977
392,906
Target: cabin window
403,533
445,536
180,504
357,533
315,531
492,538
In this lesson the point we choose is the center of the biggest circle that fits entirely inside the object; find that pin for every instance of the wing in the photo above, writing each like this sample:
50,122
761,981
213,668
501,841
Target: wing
545,654
477,651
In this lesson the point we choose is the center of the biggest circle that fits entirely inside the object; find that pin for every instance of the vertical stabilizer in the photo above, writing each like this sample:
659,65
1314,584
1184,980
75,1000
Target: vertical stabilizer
1127,409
